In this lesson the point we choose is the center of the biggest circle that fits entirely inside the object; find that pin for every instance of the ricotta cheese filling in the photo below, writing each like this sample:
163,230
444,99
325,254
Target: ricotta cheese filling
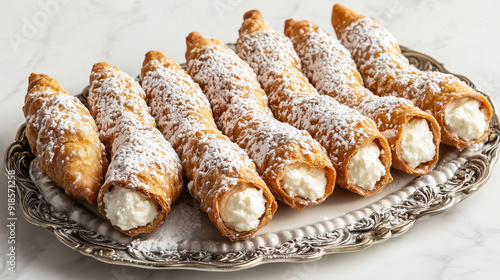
242,207
463,118
128,208
417,143
300,179
365,168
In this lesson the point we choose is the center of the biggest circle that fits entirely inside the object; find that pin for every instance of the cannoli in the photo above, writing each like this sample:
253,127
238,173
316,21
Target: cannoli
63,136
412,134
358,151
145,174
222,177
462,113
295,167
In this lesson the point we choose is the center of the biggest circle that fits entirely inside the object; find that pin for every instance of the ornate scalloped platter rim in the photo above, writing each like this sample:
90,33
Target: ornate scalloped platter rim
377,227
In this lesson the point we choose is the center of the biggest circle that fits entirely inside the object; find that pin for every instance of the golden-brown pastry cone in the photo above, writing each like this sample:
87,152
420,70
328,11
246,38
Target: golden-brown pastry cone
240,110
387,72
341,130
63,136
331,70
213,164
142,161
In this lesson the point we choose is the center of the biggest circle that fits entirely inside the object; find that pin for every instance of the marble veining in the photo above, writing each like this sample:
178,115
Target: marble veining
64,38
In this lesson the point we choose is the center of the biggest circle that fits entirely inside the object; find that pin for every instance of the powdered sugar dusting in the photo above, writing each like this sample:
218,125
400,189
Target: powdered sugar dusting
240,110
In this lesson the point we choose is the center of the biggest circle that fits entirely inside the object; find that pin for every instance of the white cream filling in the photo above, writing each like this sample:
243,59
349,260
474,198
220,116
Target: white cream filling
128,208
417,143
242,207
463,118
365,167
300,179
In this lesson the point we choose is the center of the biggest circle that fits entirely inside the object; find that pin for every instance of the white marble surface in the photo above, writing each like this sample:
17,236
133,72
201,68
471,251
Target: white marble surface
64,38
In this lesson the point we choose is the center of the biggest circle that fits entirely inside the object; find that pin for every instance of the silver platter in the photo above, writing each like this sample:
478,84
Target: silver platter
464,173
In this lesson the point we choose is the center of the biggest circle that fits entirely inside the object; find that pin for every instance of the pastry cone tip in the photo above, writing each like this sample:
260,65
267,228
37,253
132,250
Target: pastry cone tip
342,16
338,7
341,12
159,59
195,37
148,57
253,21
192,39
100,66
293,26
253,14
153,55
